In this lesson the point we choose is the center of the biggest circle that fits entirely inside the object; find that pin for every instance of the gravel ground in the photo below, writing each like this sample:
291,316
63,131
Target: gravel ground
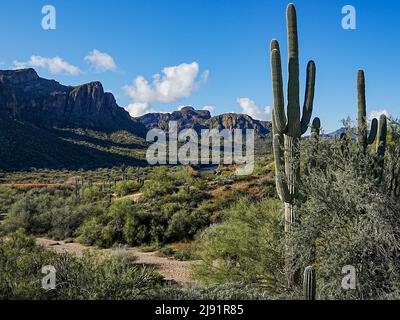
172,270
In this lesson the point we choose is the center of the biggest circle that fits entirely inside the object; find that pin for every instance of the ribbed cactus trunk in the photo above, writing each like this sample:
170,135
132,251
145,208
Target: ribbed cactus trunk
378,129
288,126
363,138
309,283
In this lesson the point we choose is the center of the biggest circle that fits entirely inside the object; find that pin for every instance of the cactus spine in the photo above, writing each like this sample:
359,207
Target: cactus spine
287,130
309,283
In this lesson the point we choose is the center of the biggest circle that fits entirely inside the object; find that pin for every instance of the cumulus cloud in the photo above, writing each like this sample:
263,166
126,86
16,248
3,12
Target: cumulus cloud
54,65
172,84
138,109
376,114
251,108
101,61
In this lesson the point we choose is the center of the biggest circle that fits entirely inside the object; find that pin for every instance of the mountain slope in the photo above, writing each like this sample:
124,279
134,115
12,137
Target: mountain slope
188,117
25,96
44,124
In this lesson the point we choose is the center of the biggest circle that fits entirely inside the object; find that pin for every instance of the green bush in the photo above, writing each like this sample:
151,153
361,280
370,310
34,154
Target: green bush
89,277
107,229
123,188
246,246
187,254
348,219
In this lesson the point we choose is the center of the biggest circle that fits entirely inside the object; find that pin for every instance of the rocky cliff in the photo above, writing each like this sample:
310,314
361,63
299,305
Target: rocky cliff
188,117
27,97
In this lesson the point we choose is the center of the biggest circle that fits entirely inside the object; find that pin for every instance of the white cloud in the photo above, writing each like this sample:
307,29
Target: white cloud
138,109
101,61
251,108
209,108
172,84
54,65
376,114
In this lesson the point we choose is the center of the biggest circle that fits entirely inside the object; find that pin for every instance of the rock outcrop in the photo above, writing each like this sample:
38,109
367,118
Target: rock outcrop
27,97
188,117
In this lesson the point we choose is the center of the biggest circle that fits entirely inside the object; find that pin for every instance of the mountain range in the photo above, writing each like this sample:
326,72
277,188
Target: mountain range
44,124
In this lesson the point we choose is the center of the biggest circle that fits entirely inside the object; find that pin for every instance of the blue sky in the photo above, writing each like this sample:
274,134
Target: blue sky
218,48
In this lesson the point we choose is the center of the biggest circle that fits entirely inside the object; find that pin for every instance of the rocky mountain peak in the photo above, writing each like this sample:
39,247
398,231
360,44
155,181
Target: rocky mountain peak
25,96
18,76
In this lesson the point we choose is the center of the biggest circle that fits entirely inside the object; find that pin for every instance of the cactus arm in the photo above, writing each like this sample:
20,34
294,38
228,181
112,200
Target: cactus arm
315,127
382,133
277,89
362,110
281,184
274,45
293,88
309,283
373,132
309,97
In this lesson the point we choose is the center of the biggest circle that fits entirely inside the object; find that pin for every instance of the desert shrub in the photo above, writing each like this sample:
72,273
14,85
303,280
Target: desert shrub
123,188
347,218
137,228
185,254
225,291
246,246
66,220
166,251
108,228
90,232
33,212
89,277
184,225
92,193
7,197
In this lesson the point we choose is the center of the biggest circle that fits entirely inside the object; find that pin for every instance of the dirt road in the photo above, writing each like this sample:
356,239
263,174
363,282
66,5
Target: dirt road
173,270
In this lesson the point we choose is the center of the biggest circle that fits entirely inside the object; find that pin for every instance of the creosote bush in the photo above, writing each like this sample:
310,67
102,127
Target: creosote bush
347,218
245,247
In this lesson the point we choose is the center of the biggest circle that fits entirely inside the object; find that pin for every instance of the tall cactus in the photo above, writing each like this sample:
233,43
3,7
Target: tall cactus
363,138
309,283
287,129
378,129
381,149
382,134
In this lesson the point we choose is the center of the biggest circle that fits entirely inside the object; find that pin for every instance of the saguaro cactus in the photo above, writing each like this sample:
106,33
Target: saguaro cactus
382,134
309,283
315,128
381,149
378,129
287,129
363,138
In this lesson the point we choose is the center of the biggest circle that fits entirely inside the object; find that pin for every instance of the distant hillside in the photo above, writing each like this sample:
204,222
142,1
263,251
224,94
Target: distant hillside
27,97
44,124
188,117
